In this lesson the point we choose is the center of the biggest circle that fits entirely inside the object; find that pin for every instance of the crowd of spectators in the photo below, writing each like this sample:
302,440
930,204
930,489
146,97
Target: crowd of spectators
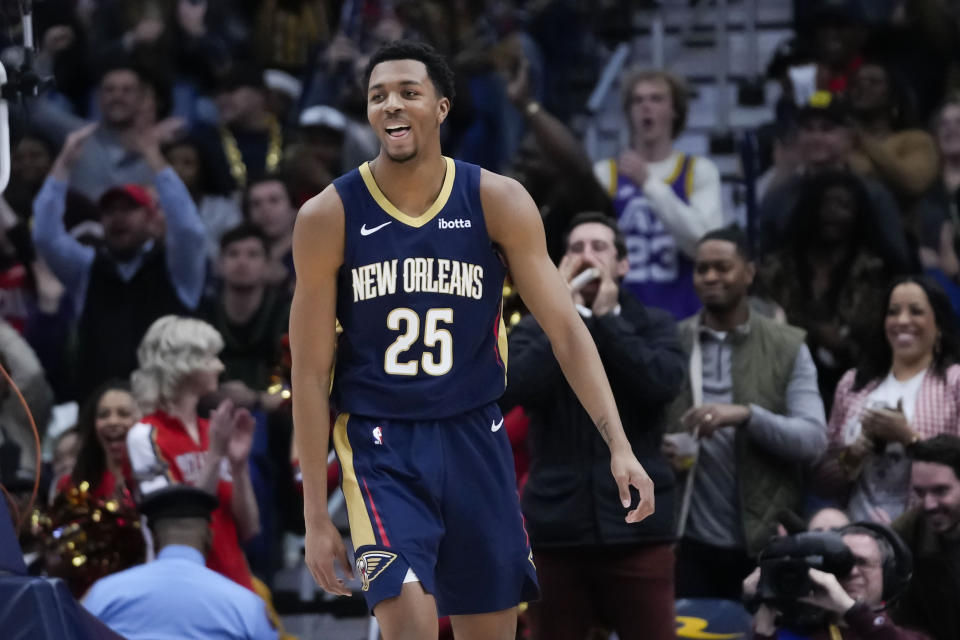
809,360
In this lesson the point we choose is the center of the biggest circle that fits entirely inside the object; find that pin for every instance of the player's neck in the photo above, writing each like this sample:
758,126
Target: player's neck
654,150
411,186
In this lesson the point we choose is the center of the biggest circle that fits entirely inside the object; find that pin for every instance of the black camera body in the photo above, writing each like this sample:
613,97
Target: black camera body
785,564
785,576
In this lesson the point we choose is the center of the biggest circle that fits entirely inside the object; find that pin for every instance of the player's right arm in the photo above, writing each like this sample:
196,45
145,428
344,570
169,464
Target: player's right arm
318,240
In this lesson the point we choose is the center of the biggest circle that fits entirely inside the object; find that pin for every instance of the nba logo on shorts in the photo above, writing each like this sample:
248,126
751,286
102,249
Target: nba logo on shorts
378,435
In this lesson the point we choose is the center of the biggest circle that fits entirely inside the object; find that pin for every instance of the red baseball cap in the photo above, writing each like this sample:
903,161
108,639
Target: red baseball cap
131,192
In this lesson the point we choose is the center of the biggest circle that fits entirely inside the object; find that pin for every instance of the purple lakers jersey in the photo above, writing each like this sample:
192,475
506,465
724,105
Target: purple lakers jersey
660,274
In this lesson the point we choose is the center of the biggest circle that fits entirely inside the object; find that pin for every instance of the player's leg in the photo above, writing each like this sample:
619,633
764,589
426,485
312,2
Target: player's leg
484,563
410,616
395,524
499,625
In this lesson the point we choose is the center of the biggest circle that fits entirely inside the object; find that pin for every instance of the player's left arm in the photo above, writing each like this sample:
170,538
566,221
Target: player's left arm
513,222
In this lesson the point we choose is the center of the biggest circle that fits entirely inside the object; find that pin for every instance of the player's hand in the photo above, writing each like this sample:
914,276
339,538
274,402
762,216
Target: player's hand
323,547
628,472
634,166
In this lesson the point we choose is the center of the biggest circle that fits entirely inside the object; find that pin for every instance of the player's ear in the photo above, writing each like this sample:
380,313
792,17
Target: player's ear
443,109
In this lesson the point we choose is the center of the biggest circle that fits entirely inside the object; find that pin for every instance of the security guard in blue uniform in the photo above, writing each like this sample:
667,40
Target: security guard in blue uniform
177,596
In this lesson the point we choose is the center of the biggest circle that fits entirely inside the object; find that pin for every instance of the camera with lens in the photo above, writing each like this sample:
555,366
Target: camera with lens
785,575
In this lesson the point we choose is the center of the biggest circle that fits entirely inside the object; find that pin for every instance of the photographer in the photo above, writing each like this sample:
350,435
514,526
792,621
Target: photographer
845,601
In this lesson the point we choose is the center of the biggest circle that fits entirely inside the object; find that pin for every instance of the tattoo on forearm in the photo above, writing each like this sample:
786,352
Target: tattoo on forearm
604,431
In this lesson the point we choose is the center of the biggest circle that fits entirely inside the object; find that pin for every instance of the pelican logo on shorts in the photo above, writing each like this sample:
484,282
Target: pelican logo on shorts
371,564
378,435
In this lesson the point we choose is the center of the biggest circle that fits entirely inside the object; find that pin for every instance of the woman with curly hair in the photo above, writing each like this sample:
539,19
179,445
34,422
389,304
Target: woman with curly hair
178,365
829,277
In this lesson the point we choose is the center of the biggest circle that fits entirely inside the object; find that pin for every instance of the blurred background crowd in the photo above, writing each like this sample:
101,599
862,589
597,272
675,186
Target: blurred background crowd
783,181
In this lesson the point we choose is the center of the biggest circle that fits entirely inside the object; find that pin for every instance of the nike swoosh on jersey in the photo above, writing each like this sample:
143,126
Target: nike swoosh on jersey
495,426
365,232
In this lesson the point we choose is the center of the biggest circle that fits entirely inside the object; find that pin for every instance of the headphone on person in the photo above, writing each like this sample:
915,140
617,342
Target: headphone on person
898,567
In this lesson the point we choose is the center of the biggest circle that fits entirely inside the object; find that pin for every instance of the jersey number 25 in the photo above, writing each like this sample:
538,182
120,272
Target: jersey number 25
433,336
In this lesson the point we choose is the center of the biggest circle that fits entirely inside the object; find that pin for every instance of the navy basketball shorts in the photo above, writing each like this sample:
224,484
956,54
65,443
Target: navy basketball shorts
439,499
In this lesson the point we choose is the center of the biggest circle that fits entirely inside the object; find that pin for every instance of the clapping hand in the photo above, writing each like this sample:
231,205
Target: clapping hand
221,428
888,425
241,438
634,166
71,151
231,433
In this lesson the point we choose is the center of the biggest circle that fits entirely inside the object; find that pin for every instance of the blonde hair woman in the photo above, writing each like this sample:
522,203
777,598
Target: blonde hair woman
179,364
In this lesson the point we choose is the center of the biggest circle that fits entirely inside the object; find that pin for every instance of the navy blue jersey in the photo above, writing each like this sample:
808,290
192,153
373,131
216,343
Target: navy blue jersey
420,302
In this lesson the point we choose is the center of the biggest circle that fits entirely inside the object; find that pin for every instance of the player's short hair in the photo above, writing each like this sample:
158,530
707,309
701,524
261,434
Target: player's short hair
619,240
439,72
173,348
679,94
730,233
942,449
244,231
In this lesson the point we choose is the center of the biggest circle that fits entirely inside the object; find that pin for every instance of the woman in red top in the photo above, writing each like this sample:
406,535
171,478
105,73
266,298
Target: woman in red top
173,444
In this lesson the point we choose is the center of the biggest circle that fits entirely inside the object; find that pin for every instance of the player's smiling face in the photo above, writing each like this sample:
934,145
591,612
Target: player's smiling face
404,108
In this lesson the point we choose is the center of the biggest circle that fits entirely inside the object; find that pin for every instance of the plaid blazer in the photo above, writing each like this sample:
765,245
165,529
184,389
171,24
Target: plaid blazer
937,410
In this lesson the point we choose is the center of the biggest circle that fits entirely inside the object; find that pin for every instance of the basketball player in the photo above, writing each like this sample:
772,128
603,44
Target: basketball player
409,252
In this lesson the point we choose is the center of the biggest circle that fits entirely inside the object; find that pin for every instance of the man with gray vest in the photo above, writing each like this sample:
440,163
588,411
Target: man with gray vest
750,413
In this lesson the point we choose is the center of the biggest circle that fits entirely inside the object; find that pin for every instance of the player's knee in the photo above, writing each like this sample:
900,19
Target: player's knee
410,616
500,625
